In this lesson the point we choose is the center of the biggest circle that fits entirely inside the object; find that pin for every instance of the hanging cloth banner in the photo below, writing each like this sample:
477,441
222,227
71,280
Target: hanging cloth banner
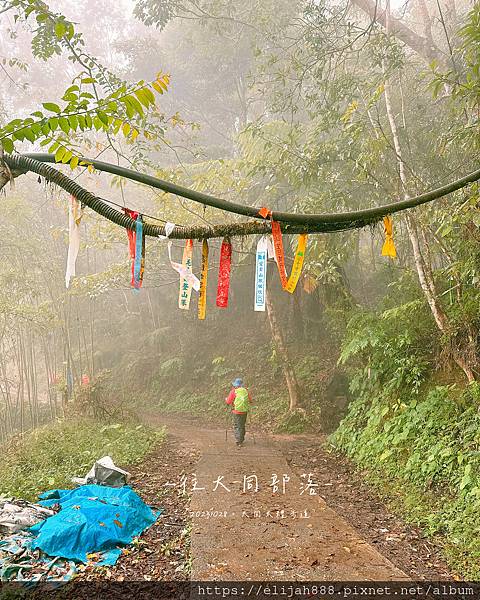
261,273
169,227
202,299
270,248
139,260
183,271
75,213
388,248
224,274
279,254
297,263
289,284
185,292
131,239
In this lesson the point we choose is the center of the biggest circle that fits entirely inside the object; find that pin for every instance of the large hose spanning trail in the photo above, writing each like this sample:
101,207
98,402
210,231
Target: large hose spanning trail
23,163
291,222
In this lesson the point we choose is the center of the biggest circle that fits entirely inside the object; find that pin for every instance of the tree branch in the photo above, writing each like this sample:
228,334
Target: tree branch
422,46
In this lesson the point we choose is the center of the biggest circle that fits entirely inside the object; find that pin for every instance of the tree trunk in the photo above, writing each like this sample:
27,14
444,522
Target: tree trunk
424,271
419,44
288,370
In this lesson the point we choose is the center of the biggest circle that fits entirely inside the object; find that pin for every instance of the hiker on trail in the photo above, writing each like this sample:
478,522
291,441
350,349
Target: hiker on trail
240,400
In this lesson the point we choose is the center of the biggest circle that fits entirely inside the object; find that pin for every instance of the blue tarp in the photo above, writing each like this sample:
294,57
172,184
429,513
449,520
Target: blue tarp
93,518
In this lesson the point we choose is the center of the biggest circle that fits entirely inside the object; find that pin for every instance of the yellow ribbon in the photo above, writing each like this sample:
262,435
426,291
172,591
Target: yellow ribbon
202,299
388,248
297,263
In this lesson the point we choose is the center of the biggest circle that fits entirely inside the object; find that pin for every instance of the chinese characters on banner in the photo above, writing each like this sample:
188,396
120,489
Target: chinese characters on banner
297,264
185,291
261,274
202,299
279,254
224,274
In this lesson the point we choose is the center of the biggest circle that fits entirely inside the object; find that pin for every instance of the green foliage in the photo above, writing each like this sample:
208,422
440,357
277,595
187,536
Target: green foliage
50,456
122,110
170,367
293,422
221,371
195,403
421,442
97,100
390,352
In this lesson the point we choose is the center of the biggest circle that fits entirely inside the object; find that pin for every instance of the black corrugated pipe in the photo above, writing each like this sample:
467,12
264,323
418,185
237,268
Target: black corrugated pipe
368,215
23,163
291,222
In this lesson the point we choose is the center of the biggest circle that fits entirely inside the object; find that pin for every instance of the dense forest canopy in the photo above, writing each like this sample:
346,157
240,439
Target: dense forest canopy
316,107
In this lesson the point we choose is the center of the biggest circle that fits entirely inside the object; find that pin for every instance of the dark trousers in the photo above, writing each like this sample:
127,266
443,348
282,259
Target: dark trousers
239,426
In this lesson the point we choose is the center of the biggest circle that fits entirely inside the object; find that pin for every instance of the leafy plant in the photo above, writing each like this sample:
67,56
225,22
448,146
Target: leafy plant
50,456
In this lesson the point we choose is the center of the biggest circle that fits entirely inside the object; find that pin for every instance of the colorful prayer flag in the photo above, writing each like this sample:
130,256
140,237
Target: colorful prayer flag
297,263
224,274
261,274
75,213
388,248
185,292
202,299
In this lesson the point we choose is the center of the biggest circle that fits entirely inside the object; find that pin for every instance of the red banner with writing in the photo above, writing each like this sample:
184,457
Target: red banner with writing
279,253
224,274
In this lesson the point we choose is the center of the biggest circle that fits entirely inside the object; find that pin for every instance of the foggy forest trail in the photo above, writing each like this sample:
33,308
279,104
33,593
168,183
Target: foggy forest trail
239,534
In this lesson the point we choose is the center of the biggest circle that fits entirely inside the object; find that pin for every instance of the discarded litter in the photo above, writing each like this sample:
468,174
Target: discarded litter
16,515
18,562
93,518
104,472
92,525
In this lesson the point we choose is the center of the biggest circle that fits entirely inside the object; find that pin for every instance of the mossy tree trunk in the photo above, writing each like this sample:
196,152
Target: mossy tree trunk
283,354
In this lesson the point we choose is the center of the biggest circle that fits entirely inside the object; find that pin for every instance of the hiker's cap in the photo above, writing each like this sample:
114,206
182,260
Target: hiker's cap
237,382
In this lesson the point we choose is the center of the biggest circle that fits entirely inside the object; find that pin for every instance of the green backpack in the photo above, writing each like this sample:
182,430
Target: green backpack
241,402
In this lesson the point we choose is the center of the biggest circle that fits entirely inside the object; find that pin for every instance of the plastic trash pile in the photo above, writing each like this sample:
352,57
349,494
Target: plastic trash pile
16,515
104,472
90,525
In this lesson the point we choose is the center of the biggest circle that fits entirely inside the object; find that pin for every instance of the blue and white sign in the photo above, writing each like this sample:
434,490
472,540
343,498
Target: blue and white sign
261,274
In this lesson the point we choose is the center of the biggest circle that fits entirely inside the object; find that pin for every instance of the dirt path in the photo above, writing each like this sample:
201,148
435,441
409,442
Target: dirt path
281,534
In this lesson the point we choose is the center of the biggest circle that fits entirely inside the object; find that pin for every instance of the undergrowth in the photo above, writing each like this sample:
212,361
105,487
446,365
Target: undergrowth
50,456
419,443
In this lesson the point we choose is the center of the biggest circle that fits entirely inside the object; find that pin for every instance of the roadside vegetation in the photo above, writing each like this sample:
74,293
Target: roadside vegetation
414,431
50,456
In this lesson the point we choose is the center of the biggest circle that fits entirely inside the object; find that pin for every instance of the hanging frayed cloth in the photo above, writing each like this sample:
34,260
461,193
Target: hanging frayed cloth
388,248
270,248
75,213
169,227
289,284
139,260
261,273
131,233
202,299
224,274
183,271
185,292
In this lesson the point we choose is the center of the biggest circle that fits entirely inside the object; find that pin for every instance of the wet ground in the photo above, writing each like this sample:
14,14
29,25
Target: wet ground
284,508
281,508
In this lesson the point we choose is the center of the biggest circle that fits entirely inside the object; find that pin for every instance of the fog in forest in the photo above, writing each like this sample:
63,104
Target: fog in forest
297,106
